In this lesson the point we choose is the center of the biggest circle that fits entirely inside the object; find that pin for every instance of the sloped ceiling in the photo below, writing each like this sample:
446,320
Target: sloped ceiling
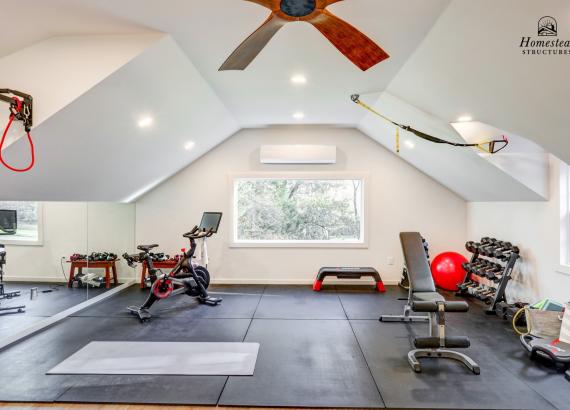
448,58
208,32
461,170
93,150
60,69
471,62
26,22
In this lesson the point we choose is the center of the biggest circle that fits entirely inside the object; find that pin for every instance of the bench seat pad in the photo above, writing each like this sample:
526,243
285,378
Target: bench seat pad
428,297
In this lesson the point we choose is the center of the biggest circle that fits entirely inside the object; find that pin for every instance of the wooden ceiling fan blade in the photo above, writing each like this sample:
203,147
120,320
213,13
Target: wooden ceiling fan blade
329,2
252,46
270,4
356,46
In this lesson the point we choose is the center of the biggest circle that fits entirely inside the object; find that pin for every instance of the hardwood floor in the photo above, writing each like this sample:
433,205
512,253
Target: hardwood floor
30,406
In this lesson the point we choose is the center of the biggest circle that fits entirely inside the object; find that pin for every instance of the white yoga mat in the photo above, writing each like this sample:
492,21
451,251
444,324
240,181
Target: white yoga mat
162,358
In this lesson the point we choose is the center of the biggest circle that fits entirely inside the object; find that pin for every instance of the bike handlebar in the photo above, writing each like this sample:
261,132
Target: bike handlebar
196,233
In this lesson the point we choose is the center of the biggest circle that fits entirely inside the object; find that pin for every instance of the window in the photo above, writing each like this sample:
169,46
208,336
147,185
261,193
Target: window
564,266
28,221
293,211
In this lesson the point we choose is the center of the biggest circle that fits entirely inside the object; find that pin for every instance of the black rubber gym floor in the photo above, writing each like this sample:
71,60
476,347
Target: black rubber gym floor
322,349
52,298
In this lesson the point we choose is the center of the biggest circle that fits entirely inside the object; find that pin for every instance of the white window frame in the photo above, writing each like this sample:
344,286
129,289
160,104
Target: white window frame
564,257
362,243
5,239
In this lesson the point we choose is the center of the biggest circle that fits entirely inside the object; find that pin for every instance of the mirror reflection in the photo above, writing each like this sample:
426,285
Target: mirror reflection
110,233
38,240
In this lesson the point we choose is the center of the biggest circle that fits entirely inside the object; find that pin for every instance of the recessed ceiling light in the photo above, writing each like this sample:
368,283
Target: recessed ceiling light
299,79
189,145
410,144
299,115
145,122
465,118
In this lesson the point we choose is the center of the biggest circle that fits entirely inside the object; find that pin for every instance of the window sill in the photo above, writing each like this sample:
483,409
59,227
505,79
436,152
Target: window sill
20,243
300,244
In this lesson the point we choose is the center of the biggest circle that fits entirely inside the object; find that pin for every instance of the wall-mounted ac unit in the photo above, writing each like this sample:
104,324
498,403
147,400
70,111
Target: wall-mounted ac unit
297,154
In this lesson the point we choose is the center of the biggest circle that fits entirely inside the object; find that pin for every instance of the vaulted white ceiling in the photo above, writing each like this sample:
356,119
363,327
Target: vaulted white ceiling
25,22
448,58
209,31
471,63
93,149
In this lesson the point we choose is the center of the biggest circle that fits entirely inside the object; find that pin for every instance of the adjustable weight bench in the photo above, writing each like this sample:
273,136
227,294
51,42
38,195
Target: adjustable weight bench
423,298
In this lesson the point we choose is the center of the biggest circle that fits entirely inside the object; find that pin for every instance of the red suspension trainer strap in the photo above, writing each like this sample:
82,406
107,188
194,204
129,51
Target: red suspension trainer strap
15,109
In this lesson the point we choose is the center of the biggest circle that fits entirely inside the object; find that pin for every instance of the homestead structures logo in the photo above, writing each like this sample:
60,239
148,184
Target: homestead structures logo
547,27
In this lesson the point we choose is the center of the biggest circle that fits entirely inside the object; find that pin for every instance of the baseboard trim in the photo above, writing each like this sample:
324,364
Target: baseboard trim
43,324
330,281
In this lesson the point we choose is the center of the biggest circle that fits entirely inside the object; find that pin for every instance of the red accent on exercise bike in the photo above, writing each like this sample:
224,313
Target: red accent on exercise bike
163,289
380,287
13,114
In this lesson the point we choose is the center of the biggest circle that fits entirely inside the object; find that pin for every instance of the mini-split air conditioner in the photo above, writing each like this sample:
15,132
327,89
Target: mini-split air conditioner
297,154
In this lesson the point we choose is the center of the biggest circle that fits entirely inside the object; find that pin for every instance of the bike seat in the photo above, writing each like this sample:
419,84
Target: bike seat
146,248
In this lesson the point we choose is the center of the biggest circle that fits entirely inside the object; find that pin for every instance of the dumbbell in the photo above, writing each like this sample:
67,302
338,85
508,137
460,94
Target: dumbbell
504,246
493,275
478,264
77,257
490,268
467,285
472,246
111,257
487,250
484,293
505,254
475,289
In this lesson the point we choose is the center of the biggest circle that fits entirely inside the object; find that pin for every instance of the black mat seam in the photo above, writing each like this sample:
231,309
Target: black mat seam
529,386
56,399
159,317
242,340
362,352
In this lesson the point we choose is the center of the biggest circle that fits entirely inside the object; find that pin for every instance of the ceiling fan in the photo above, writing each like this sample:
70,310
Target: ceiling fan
357,47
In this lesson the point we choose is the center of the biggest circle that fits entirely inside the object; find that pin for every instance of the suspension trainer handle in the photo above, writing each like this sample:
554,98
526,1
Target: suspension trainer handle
23,110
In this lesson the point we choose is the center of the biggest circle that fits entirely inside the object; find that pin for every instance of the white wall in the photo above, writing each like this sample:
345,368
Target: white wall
400,198
73,227
535,228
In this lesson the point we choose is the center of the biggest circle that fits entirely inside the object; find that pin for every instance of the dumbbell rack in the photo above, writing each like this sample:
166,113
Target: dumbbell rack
501,287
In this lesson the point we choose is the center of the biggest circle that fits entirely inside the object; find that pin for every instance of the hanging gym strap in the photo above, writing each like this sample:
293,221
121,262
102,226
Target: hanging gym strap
21,109
489,147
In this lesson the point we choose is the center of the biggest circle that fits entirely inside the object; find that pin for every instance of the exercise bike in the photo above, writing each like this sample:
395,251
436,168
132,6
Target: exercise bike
7,295
187,277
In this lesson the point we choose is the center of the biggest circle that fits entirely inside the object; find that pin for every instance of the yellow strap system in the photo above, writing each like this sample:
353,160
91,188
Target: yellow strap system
488,147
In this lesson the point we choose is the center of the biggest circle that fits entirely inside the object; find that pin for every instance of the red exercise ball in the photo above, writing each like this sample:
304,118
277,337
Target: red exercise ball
447,270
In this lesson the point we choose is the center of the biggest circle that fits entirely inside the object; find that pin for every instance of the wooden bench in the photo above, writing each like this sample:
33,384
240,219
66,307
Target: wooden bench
109,266
170,264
